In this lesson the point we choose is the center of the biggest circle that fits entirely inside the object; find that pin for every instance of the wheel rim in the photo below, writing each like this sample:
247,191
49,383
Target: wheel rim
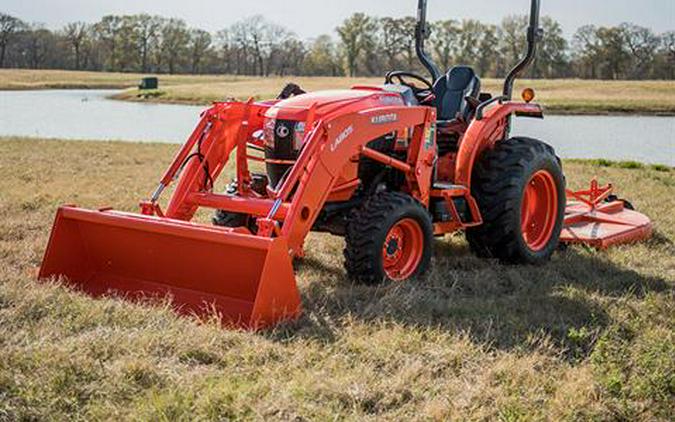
403,249
539,210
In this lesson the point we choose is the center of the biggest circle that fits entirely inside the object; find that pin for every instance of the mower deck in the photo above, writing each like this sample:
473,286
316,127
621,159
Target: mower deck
595,220
605,226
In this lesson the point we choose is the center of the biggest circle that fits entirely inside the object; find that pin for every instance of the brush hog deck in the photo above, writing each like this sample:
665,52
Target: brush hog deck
246,280
595,218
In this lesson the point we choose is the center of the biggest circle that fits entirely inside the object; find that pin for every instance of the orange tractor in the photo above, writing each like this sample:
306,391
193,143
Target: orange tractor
388,167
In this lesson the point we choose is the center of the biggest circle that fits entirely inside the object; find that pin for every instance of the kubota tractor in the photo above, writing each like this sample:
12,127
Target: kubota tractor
388,167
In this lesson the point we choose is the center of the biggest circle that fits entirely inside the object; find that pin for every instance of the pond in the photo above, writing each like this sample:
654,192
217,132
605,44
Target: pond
88,114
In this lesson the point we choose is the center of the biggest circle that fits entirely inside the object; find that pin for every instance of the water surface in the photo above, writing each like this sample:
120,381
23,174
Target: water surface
88,114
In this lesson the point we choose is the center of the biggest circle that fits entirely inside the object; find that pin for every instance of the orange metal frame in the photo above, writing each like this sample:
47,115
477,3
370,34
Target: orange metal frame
331,143
247,277
245,274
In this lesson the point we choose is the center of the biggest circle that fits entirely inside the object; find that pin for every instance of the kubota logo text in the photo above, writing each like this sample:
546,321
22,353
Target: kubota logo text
341,138
384,118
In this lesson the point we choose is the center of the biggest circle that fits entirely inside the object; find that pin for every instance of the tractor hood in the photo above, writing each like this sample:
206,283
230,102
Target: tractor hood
361,98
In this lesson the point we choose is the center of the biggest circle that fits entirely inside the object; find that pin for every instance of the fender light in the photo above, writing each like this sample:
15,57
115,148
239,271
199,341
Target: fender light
528,95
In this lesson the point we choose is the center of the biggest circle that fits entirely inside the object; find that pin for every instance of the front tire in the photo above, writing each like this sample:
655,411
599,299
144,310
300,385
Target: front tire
228,219
222,218
389,238
520,189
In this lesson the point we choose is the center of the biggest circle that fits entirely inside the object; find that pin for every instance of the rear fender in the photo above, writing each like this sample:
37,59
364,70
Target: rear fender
484,133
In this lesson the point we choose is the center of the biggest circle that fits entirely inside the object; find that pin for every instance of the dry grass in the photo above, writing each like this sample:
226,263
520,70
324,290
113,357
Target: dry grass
559,96
589,336
22,79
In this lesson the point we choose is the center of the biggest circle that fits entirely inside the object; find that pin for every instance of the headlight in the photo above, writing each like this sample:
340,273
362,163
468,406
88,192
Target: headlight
275,131
268,132
299,136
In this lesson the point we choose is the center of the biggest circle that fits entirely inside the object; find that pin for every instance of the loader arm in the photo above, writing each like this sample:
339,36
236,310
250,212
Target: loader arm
336,141
224,128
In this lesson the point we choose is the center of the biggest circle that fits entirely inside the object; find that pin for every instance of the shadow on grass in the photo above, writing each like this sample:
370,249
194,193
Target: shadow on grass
507,307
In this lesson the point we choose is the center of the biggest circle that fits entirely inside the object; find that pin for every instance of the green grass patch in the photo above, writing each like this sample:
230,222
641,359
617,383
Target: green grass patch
628,165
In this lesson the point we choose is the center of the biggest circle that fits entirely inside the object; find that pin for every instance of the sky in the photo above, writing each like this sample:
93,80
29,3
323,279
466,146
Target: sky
309,18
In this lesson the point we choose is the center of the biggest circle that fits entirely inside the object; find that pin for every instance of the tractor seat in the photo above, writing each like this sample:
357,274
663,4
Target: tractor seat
451,91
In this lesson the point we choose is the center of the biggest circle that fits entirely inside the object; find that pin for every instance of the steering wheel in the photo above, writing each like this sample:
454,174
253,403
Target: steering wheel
423,95
401,76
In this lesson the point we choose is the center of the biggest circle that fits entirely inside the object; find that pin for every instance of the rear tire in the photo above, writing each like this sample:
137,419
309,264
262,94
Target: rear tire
520,189
389,238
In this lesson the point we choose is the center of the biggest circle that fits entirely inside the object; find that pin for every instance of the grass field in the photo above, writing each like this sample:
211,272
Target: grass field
591,336
559,96
22,79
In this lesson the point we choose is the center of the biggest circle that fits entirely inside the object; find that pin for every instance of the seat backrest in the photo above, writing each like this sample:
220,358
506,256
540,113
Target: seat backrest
451,90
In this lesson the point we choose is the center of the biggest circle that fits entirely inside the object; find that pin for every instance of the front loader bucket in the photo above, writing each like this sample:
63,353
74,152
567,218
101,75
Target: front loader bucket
247,280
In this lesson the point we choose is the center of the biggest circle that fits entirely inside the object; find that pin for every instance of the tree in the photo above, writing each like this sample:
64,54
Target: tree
227,51
408,25
174,44
487,60
586,50
322,59
147,29
642,44
127,51
358,35
9,26
288,57
76,33
665,61
613,54
513,41
468,42
392,41
108,33
38,41
603,52
200,43
253,41
445,41
552,60
365,46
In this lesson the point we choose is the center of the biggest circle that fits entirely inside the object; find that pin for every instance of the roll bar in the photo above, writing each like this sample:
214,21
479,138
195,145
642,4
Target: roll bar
534,35
421,33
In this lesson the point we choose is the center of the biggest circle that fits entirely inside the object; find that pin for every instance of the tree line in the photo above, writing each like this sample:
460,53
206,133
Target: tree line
362,46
